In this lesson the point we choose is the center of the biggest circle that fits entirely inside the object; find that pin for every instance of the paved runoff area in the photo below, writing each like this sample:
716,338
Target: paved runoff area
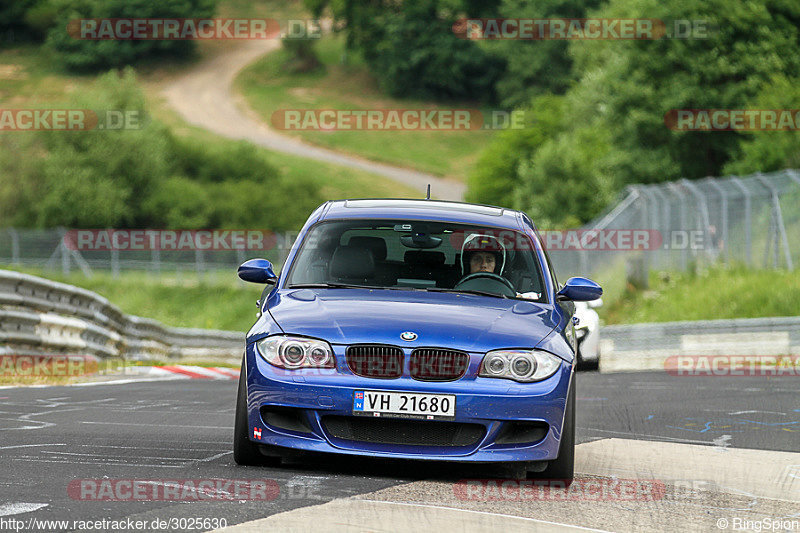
655,453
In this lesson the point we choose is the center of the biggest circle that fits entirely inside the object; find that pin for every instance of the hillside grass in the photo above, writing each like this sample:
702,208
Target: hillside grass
335,182
30,78
268,85
717,293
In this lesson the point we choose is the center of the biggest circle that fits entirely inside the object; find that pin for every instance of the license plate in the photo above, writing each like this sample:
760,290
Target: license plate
404,405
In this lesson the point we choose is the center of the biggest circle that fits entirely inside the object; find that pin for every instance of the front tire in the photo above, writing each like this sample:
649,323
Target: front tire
563,467
246,452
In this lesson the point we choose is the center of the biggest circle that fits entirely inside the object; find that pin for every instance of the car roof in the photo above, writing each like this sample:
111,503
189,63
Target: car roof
404,208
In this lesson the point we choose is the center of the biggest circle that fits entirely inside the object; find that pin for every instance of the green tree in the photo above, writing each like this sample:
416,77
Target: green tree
141,178
99,178
564,184
536,67
412,49
613,131
770,150
497,173
91,55
748,42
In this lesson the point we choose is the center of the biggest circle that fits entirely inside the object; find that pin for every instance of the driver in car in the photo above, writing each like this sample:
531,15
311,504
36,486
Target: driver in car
481,262
483,253
486,253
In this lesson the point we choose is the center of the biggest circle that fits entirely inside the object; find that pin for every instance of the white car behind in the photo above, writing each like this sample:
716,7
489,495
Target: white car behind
587,333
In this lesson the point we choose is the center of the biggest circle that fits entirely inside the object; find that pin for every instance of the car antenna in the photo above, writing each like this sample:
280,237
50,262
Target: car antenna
428,197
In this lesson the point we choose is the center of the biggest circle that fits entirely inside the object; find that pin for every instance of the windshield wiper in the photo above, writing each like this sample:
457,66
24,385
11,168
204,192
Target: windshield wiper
330,286
319,286
469,291
429,289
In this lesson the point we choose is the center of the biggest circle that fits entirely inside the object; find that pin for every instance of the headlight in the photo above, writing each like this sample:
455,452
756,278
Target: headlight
296,352
519,365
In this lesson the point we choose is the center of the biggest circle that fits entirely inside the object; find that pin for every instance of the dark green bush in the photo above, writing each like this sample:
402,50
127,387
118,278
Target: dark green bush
303,56
24,20
88,55
418,55
412,49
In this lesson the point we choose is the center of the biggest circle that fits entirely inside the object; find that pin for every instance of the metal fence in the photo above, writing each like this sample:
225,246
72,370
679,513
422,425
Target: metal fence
49,250
752,220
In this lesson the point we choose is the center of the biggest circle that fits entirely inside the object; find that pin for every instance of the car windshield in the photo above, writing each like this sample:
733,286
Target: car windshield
418,255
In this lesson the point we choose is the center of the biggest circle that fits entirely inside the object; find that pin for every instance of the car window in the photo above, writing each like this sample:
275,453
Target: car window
395,250
417,254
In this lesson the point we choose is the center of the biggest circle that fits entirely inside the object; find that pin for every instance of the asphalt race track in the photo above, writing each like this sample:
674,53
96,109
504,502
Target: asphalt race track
719,448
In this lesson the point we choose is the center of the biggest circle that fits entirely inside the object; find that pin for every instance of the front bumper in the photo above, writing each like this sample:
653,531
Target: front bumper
493,404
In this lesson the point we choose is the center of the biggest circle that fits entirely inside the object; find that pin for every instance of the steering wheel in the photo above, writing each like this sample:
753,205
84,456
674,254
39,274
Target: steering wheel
511,292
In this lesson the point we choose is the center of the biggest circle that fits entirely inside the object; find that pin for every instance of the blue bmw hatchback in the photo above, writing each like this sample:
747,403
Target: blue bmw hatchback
413,329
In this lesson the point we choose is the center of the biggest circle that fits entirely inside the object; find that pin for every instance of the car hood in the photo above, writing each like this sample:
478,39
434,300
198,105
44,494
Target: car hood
466,322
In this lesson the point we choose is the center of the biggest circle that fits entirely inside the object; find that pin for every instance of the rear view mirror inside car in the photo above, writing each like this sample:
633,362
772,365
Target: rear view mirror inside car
420,240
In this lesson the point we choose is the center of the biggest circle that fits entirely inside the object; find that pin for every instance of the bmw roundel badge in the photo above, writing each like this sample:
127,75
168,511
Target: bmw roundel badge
408,336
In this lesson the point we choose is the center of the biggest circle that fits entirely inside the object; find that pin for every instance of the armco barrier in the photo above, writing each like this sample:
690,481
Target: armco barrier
647,346
42,316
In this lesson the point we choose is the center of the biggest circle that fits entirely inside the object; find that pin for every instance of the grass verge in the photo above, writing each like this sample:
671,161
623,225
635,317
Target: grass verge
268,85
717,293
27,381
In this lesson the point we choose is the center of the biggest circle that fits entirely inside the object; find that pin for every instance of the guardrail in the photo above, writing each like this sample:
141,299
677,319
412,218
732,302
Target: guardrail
39,316
647,346
42,316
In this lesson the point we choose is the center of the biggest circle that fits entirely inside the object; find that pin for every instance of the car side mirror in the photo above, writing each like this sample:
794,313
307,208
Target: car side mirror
579,290
257,271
